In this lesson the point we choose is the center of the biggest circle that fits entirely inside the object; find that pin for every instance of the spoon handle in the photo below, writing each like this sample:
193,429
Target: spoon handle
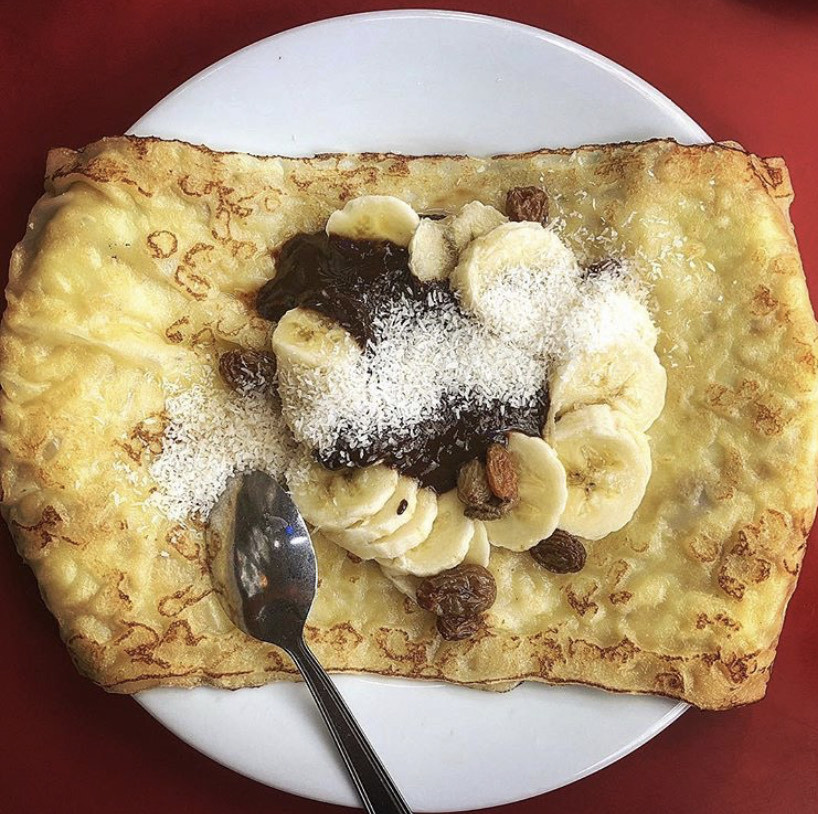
379,793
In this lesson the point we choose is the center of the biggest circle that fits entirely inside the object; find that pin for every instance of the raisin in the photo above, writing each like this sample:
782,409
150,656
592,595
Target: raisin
403,506
501,474
457,628
527,204
466,590
472,484
561,553
488,511
247,370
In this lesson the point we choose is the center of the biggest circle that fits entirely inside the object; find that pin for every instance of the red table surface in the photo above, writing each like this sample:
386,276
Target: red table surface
72,72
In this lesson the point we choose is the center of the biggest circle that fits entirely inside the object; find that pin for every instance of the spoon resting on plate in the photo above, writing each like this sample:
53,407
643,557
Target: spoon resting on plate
264,562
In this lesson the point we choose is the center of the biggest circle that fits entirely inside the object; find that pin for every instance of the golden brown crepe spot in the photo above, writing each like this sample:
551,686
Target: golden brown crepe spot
704,548
620,597
342,636
739,669
140,642
720,619
179,630
763,301
398,646
178,330
730,585
204,336
162,244
121,581
581,602
186,276
617,572
787,265
620,653
181,539
44,528
669,683
768,420
175,603
102,170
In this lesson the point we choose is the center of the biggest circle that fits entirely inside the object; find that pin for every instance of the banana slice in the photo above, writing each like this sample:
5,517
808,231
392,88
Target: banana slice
474,220
436,244
608,465
405,583
477,554
309,339
375,217
627,377
479,547
432,255
513,277
446,545
338,499
398,532
412,533
542,489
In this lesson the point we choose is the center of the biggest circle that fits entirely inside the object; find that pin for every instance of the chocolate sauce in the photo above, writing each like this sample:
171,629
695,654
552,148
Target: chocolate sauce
349,281
343,279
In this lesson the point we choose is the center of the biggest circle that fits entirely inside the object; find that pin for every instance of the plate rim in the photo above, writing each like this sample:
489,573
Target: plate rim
146,699
633,80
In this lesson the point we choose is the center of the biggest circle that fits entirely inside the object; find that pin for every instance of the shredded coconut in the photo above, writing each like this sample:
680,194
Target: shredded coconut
427,353
422,354
213,434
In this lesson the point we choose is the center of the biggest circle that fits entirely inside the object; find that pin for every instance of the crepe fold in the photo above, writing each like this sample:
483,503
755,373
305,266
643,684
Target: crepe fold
140,264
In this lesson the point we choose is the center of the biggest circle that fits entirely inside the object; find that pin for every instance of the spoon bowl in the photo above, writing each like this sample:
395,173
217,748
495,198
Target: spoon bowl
264,567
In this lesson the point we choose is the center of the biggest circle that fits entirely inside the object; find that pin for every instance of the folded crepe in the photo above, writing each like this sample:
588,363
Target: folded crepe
141,263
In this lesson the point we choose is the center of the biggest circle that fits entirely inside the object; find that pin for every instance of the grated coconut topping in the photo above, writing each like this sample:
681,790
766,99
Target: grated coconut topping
421,354
211,435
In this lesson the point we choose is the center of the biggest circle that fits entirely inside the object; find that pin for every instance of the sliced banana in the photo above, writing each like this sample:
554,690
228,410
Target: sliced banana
308,339
628,377
338,499
479,547
432,255
474,220
375,217
523,260
413,532
446,545
405,583
414,525
608,464
542,490
393,514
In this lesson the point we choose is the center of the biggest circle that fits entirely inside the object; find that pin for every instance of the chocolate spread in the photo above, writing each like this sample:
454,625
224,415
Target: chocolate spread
348,281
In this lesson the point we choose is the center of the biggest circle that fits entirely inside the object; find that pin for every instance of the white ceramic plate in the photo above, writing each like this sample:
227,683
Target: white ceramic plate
416,82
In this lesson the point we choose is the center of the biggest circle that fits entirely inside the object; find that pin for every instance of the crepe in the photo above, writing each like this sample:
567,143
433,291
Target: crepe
140,264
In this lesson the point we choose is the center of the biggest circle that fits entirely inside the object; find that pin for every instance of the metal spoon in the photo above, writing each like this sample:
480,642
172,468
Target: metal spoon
263,558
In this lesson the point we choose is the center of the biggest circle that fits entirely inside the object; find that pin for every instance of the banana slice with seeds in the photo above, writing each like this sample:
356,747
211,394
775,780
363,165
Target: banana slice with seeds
337,499
628,377
542,495
308,339
414,526
444,548
375,217
608,466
